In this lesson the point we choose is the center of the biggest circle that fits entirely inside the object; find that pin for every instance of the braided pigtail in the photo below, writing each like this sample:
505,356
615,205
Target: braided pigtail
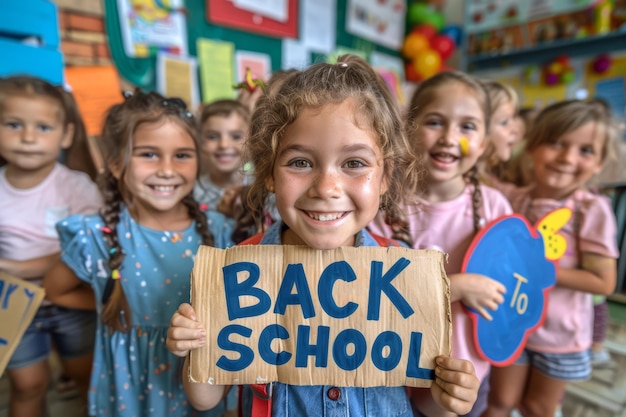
245,224
477,197
115,312
200,218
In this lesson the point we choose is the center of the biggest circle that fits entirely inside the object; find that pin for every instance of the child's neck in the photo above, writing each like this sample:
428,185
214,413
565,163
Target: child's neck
224,180
172,220
25,179
444,191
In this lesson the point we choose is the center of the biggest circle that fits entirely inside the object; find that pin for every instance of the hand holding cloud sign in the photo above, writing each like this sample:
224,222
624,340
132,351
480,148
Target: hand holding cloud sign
526,260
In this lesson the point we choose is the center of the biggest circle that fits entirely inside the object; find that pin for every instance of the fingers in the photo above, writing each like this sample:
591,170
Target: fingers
185,332
456,385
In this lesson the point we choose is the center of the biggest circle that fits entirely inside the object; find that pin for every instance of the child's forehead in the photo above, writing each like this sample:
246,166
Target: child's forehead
24,101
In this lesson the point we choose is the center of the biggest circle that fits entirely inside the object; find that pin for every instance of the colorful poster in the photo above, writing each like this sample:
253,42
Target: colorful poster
260,65
217,75
527,257
226,13
149,26
274,9
177,77
380,21
352,316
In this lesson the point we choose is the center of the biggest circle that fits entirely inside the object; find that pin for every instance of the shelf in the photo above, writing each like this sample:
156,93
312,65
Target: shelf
545,52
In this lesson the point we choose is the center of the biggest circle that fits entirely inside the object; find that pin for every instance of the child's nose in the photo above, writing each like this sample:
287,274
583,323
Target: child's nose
166,169
28,135
326,185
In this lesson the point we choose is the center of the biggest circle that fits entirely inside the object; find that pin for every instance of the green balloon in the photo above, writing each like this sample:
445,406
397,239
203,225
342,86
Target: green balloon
419,13
436,19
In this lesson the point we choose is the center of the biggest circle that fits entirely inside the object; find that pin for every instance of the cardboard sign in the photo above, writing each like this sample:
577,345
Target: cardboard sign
19,301
360,317
524,259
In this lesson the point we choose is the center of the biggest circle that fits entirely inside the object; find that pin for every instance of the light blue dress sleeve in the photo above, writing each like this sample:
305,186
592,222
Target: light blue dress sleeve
83,247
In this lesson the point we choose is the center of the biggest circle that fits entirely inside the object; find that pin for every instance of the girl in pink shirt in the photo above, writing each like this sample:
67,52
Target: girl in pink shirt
448,119
569,143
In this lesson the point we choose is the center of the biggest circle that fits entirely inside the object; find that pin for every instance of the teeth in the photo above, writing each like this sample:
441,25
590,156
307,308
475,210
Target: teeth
163,188
325,217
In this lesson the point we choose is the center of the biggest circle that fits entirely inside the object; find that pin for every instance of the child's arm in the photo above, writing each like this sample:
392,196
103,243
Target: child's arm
477,291
30,268
65,289
597,275
185,334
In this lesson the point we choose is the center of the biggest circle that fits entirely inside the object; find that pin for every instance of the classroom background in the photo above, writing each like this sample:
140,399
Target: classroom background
198,50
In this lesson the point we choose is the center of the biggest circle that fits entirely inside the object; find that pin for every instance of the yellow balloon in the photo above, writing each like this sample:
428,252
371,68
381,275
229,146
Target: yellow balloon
414,44
427,63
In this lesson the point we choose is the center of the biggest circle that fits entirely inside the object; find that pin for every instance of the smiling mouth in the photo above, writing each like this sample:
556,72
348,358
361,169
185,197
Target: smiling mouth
326,217
444,157
163,188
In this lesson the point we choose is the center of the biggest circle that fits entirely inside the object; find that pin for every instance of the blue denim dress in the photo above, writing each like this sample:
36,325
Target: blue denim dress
329,401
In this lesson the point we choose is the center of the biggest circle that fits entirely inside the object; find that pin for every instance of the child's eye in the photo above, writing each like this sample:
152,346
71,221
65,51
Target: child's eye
433,122
300,163
13,125
469,126
587,150
148,155
354,163
211,136
184,155
237,136
505,122
44,128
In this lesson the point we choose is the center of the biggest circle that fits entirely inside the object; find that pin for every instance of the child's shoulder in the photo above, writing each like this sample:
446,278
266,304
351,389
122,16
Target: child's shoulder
73,177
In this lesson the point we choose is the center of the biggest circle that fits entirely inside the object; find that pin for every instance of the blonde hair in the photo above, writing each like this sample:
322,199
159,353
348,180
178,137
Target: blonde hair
565,116
323,84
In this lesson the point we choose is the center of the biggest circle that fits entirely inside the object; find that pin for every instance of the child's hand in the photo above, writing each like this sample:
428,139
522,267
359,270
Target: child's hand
477,292
456,385
185,333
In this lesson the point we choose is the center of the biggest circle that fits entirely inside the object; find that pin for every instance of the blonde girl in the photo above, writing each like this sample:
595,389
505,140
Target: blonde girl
569,142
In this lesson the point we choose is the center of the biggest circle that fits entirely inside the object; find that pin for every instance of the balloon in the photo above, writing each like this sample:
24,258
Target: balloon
555,68
427,63
414,43
437,19
453,31
425,29
410,74
418,13
442,44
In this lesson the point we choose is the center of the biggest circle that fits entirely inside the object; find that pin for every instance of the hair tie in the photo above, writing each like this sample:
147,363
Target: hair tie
115,274
105,229
342,64
127,94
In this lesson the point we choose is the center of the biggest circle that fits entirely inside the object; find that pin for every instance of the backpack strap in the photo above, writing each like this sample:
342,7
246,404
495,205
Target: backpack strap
261,400
385,242
252,240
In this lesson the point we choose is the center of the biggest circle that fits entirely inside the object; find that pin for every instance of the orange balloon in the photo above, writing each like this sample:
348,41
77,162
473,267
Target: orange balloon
414,43
427,63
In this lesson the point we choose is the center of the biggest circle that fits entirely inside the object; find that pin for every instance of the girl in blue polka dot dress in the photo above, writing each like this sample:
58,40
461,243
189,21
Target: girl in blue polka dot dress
136,256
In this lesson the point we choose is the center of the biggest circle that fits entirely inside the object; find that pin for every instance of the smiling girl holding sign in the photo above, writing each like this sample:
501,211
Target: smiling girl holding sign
330,146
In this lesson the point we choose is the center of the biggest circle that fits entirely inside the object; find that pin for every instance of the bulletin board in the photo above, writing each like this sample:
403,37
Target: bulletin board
142,71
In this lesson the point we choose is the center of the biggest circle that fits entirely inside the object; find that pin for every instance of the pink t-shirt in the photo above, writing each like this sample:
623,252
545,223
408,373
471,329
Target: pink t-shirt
568,326
28,217
448,226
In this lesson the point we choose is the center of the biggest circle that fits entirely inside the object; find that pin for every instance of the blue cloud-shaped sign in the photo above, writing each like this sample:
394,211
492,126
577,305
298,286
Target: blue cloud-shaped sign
510,251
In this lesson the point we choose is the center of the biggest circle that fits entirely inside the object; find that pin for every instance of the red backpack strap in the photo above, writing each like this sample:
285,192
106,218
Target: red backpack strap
261,400
385,242
252,240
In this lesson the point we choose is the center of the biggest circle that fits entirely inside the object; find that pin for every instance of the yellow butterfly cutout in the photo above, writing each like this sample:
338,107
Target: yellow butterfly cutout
554,244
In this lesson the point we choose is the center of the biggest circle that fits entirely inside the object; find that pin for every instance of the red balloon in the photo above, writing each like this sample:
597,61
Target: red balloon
442,44
426,29
410,74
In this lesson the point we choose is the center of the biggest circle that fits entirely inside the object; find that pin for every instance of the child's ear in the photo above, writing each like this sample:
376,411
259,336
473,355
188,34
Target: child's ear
269,184
68,136
116,170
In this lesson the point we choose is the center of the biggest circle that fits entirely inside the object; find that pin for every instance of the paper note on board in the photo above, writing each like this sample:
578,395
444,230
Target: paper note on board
363,317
